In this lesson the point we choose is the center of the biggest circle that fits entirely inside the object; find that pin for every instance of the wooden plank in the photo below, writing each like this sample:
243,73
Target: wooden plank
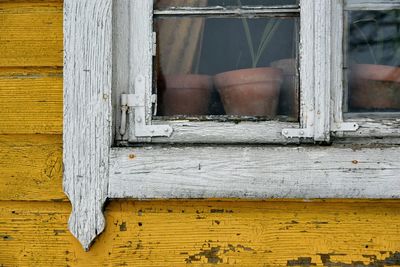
31,33
31,168
31,101
239,233
255,172
87,113
225,132
323,18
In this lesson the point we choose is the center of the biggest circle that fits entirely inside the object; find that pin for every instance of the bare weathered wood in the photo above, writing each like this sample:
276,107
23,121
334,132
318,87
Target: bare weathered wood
322,68
375,128
337,88
255,172
221,11
213,132
87,113
307,74
121,60
141,54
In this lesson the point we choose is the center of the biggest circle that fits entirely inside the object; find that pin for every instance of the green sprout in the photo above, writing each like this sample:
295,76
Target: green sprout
268,33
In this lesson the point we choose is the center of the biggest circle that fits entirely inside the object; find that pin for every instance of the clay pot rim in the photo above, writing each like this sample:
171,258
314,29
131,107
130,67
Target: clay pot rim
274,75
288,65
376,72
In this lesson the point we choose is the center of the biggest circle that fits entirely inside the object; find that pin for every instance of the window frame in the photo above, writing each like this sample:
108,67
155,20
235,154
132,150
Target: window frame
314,105
95,170
372,125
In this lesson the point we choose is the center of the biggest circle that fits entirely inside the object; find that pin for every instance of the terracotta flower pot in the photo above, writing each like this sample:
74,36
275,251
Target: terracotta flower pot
289,103
186,94
374,87
250,92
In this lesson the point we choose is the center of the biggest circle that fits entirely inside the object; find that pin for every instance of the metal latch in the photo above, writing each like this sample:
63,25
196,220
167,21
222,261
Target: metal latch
344,127
137,103
298,133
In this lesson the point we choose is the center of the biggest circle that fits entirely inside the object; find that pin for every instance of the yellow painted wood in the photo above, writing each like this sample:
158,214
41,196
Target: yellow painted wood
31,101
31,168
31,33
174,233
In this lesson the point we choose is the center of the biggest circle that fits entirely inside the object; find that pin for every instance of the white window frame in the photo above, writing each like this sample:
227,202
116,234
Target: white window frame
95,170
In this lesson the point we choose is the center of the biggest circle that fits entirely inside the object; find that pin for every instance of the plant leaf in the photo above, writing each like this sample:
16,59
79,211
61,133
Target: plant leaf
267,40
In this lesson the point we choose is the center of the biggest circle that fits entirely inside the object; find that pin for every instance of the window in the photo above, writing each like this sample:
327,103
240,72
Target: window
127,136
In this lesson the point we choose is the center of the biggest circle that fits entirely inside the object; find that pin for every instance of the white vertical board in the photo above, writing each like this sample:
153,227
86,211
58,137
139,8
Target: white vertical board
87,113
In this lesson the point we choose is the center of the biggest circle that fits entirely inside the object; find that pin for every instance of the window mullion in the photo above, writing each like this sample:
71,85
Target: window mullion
315,71
141,56
322,68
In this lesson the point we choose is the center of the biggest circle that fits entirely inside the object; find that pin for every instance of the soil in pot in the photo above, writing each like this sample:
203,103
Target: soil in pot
187,94
374,88
250,92
289,95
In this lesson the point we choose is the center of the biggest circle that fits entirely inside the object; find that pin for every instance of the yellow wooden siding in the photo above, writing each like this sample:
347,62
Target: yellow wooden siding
34,211
30,101
31,33
174,233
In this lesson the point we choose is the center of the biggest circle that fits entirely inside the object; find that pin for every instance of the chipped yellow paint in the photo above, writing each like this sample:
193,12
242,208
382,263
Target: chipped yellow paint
34,211
174,233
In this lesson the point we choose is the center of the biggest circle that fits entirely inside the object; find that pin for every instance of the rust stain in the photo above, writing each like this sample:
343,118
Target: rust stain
132,156
354,161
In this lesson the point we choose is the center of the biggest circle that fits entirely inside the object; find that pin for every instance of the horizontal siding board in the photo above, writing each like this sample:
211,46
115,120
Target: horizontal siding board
31,33
174,233
31,101
154,172
31,168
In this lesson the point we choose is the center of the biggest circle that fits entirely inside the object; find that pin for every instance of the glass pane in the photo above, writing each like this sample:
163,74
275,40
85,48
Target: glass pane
227,66
162,4
373,61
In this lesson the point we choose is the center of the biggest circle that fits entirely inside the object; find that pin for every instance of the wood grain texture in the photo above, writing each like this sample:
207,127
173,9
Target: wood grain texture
214,132
87,113
306,64
31,168
322,68
31,33
31,101
255,172
207,233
